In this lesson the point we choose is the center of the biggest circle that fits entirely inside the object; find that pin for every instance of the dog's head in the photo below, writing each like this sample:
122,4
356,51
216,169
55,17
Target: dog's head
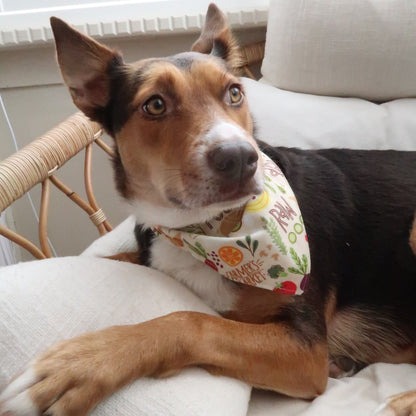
181,124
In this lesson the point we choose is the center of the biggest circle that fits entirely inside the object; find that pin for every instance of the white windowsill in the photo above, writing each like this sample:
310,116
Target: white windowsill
126,19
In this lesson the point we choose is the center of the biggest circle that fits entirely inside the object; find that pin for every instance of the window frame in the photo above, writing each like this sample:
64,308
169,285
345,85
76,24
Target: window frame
126,19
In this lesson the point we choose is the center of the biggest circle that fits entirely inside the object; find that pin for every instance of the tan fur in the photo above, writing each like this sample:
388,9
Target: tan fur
128,257
405,355
350,329
94,365
412,238
331,306
403,404
256,305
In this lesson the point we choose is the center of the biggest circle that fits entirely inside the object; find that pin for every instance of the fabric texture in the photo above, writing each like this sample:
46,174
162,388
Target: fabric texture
351,396
262,244
359,395
45,301
286,118
355,48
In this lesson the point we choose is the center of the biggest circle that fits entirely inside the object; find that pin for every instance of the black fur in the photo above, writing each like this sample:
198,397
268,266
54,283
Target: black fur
358,207
124,86
220,49
144,237
120,176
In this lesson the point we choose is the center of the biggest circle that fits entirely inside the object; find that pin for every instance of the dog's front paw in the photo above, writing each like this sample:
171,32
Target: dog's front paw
15,400
44,391
68,380
72,377
403,404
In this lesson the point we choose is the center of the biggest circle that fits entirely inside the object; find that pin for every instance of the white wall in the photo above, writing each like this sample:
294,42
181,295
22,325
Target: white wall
8,251
36,100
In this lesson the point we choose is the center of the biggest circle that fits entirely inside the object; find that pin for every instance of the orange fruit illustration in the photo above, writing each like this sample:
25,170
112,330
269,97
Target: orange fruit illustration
230,255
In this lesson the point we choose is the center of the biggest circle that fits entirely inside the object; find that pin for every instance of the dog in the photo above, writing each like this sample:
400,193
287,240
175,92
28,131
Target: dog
185,153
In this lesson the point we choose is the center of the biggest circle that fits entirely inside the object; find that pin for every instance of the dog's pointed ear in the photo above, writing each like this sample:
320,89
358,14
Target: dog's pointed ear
85,66
216,38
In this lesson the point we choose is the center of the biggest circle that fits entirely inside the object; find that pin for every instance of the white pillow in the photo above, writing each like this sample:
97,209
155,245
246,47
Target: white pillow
356,48
42,302
286,118
359,395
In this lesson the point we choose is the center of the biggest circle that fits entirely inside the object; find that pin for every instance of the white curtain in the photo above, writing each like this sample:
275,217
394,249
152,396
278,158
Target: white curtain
7,252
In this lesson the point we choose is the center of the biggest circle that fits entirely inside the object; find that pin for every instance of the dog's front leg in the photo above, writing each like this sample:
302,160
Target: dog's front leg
268,356
73,376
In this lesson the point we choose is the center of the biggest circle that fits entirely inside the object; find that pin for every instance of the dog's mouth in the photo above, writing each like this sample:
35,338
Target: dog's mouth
194,199
220,179
236,194
213,193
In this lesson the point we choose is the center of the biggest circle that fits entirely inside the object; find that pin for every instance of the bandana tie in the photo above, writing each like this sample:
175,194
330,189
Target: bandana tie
262,244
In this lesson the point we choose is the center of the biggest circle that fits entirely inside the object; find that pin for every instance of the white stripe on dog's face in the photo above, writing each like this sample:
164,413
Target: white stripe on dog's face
210,188
223,130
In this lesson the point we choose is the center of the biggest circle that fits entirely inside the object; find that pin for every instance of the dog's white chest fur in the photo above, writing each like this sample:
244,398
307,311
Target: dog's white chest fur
217,292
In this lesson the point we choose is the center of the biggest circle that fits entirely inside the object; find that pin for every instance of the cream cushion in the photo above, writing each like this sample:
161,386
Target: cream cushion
357,48
45,301
286,118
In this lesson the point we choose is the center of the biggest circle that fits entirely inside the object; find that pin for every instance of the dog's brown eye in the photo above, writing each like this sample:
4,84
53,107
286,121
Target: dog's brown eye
154,106
236,96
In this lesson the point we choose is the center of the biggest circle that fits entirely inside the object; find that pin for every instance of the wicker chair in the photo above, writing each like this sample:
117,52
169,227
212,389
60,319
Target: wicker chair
39,161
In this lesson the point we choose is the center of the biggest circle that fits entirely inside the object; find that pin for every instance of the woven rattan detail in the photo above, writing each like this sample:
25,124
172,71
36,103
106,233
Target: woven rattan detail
37,162
98,217
34,163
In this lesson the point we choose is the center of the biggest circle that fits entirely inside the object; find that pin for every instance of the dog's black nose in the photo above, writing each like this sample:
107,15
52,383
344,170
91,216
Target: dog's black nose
234,161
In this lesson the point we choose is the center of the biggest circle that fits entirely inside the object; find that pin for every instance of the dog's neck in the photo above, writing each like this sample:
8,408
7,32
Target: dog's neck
262,243
151,216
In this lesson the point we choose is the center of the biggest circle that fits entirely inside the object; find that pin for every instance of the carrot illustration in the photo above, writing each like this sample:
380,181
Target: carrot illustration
200,251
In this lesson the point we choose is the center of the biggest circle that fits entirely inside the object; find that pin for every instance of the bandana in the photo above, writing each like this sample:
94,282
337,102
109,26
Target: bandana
262,244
